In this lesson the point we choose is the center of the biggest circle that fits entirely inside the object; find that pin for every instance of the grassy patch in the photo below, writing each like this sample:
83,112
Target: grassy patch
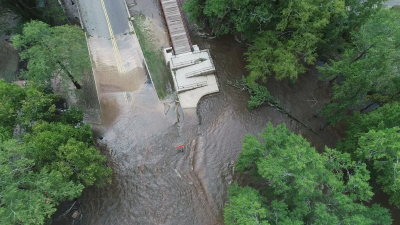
8,62
159,71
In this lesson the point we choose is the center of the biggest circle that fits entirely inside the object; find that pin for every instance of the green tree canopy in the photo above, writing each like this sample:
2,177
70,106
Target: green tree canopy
50,159
382,150
37,106
48,11
284,35
337,34
369,69
232,16
372,138
11,97
305,187
247,203
298,31
67,149
29,197
52,52
387,116
23,107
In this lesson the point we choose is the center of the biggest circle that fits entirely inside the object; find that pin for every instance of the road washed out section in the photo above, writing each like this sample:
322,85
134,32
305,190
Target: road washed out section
153,182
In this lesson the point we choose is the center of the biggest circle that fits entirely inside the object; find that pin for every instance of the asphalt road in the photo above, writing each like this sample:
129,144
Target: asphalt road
116,55
118,16
94,19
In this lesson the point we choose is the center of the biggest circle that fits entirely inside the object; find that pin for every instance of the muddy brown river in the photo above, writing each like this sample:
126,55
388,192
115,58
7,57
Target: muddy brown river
153,182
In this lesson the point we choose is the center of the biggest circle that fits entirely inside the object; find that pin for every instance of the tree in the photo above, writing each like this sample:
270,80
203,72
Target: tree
37,106
359,12
5,134
372,138
284,35
29,197
72,116
268,55
369,69
382,150
293,43
49,11
23,107
304,187
232,16
337,34
50,159
244,207
11,96
68,149
53,51
387,116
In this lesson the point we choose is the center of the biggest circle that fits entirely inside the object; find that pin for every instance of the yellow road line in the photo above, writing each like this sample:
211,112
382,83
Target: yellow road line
116,52
120,63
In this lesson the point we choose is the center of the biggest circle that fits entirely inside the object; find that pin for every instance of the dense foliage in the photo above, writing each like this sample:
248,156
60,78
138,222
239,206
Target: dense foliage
45,156
382,149
231,16
369,69
294,40
304,187
360,37
11,97
284,35
48,11
52,52
29,195
373,138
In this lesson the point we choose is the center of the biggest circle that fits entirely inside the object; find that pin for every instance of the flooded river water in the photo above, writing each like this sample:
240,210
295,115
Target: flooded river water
153,182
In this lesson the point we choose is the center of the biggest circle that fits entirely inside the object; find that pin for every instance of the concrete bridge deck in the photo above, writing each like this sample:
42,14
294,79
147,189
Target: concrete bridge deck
176,26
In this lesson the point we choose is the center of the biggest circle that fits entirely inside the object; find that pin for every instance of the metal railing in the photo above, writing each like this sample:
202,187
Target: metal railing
192,86
184,64
199,72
